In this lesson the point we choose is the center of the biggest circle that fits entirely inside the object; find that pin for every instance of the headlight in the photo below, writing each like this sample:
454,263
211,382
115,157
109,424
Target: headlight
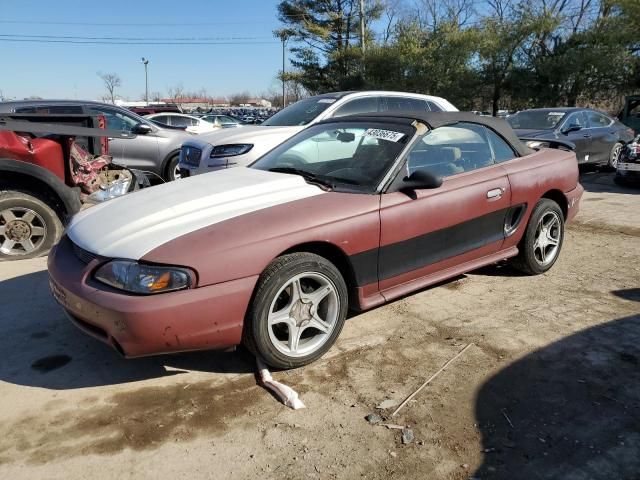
537,144
136,278
231,150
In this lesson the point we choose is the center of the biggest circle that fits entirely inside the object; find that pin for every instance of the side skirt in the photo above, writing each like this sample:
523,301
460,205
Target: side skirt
378,298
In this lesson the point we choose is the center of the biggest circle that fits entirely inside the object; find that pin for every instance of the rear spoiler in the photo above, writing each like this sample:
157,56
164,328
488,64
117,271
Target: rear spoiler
559,144
9,124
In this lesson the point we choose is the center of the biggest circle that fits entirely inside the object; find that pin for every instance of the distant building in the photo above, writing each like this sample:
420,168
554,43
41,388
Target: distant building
193,103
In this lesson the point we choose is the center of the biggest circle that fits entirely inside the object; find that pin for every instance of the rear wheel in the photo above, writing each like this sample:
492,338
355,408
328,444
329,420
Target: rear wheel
172,171
614,156
542,240
28,226
298,310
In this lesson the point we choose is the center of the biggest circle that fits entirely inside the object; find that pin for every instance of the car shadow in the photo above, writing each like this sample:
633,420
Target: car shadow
567,411
41,348
600,180
632,294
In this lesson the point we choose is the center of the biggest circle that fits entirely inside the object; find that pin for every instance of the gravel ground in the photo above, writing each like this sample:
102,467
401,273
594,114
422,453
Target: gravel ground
549,388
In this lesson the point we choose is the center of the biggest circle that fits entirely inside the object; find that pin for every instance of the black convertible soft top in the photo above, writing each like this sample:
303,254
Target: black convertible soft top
439,119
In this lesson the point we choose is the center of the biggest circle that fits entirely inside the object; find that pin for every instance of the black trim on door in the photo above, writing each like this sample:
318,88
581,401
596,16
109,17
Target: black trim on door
430,248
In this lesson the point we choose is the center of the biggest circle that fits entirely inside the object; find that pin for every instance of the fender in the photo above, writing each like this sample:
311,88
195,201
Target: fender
69,197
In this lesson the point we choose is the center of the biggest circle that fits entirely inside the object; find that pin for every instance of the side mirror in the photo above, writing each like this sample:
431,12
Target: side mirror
141,129
421,179
346,137
574,127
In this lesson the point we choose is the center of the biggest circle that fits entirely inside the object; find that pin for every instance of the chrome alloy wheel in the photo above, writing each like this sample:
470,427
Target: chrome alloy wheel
547,238
21,231
303,314
615,155
176,173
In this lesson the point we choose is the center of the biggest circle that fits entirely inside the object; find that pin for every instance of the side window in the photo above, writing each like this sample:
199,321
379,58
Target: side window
575,118
224,120
502,151
597,120
433,107
403,104
162,119
357,106
52,109
450,150
180,121
115,120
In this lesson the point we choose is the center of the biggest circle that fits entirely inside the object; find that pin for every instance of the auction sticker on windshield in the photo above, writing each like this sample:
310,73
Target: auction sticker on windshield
388,135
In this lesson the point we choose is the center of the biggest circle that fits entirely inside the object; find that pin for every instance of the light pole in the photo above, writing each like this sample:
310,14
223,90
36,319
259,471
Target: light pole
283,34
146,80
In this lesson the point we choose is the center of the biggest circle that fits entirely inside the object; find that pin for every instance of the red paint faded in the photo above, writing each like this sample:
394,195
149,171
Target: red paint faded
229,257
194,319
245,245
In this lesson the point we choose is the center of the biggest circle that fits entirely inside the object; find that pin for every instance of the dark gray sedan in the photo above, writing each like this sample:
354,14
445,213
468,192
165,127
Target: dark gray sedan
598,137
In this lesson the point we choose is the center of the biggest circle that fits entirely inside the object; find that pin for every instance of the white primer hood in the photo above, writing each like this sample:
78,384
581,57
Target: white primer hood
136,223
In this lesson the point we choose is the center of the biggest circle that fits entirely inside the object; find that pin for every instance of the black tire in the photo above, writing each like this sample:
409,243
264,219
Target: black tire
279,272
170,169
614,155
526,261
46,221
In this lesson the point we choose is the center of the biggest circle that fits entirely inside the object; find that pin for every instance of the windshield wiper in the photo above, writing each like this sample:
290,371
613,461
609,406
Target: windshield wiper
310,177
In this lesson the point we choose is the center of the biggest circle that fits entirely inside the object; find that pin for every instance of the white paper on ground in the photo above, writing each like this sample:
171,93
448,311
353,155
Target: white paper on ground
287,395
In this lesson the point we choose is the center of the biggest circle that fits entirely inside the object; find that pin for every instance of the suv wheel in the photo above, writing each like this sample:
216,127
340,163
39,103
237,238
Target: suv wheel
297,312
172,171
28,226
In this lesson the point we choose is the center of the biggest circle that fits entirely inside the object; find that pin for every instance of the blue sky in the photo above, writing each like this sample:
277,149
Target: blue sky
69,70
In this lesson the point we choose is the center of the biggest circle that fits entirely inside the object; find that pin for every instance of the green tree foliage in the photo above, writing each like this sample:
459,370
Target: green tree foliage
480,54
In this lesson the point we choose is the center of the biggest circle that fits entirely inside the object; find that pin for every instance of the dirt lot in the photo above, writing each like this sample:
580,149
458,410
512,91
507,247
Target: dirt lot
549,388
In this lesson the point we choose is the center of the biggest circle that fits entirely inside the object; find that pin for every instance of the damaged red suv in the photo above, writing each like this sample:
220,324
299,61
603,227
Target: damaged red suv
349,213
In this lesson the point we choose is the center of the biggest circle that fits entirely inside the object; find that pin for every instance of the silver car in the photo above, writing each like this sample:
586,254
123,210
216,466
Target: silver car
239,147
155,150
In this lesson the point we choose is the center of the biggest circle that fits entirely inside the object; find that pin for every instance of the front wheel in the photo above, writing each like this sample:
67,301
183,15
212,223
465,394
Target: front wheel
298,310
542,240
28,226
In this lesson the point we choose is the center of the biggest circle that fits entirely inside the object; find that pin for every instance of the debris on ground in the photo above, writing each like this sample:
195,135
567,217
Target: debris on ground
407,436
285,394
373,418
408,399
389,403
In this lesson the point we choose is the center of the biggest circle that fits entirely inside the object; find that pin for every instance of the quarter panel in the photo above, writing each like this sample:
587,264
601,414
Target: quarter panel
536,174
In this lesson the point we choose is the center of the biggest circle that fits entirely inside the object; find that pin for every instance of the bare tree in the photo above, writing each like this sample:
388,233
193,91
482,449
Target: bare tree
111,82
240,98
175,92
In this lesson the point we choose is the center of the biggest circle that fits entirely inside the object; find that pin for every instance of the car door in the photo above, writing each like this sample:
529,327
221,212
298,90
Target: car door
140,152
426,231
581,137
603,135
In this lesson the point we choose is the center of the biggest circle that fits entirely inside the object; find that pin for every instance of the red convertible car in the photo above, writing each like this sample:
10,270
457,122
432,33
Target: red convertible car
349,213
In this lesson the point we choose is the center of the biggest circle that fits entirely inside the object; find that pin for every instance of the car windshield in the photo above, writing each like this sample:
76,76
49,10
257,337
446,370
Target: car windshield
300,113
536,119
345,156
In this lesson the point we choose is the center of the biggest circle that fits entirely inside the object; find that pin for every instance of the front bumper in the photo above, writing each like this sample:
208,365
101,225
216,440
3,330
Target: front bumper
209,317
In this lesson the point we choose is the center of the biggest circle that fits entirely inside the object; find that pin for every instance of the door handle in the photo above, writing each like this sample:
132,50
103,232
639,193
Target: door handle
586,135
495,193
109,139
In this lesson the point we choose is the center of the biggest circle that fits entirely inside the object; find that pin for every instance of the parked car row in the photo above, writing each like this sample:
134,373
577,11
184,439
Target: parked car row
224,149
